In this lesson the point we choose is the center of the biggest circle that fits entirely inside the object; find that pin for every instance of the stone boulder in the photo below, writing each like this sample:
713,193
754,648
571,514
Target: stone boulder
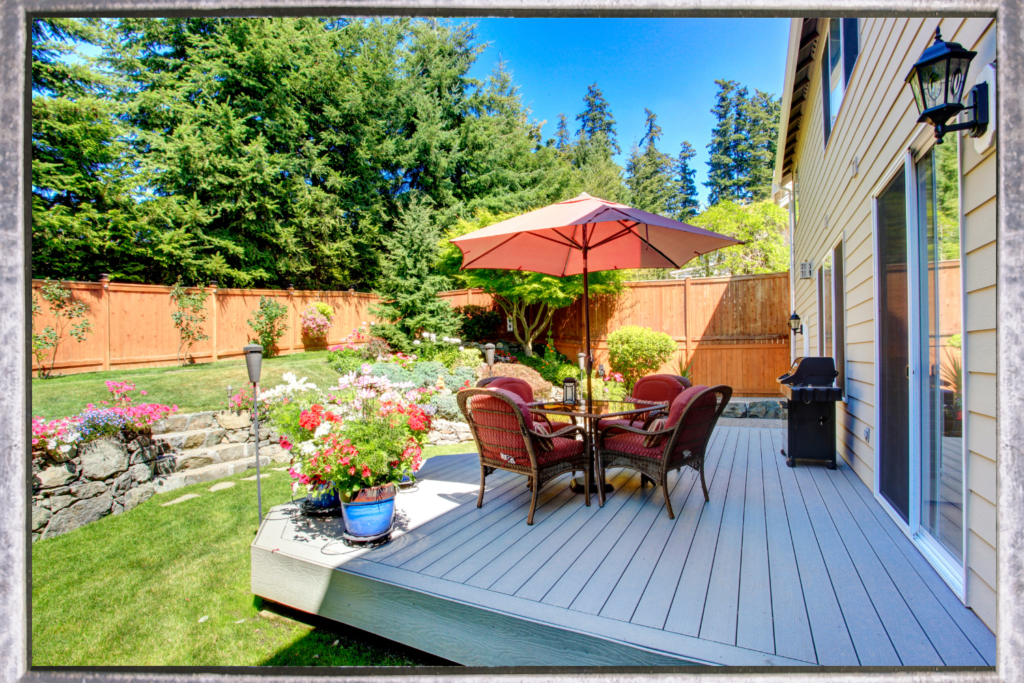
81,513
40,516
141,472
768,410
139,494
103,458
89,489
52,477
58,503
735,410
234,420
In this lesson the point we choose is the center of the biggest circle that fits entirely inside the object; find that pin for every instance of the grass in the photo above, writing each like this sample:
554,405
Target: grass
192,387
130,591
456,449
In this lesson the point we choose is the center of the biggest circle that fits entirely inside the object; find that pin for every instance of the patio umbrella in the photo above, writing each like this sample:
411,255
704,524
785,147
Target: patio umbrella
583,235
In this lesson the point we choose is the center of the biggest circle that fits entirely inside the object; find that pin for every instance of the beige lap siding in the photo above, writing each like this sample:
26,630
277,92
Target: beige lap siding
876,123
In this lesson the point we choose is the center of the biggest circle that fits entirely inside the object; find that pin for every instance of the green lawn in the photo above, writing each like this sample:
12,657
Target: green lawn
130,591
192,388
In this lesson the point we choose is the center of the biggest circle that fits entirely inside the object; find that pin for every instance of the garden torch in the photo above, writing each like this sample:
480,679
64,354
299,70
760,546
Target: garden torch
489,358
253,361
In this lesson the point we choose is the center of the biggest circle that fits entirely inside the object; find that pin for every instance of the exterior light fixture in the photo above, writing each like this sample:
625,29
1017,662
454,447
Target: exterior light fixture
253,362
583,366
937,80
489,357
794,324
569,391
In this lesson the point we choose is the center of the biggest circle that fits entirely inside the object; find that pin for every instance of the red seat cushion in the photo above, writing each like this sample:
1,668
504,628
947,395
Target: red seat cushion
517,386
563,448
632,444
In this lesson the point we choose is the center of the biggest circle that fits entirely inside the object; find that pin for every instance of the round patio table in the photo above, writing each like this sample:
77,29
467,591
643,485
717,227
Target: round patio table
591,413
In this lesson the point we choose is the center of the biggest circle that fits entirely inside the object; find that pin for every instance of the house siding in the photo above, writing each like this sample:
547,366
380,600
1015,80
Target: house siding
877,123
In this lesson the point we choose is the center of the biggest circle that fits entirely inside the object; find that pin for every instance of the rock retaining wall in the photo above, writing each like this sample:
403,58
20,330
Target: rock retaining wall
108,476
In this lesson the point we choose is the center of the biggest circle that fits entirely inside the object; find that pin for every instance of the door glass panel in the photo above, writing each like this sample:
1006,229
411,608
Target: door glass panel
941,342
894,349
826,302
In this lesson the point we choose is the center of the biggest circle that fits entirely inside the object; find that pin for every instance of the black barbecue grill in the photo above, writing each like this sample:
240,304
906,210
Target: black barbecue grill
811,394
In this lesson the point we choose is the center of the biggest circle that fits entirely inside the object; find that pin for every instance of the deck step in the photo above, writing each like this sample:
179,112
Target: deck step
208,473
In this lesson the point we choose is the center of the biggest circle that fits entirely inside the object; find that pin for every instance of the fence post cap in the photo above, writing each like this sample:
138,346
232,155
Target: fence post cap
104,277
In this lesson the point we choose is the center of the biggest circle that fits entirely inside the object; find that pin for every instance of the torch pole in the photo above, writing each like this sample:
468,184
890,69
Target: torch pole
256,439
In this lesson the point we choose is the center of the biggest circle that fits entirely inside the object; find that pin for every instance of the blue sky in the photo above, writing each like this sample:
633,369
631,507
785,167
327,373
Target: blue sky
666,65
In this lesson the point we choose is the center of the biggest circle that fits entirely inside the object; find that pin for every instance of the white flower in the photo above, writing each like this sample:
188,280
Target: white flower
307,448
51,444
445,339
462,348
366,368
416,342
363,323
323,430
65,448
372,324
456,340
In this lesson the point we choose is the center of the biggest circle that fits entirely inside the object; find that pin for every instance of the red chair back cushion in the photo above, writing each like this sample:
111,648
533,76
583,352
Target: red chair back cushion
661,388
696,430
517,386
501,437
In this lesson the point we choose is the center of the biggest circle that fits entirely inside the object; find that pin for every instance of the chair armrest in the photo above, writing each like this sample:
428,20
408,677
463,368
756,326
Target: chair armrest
571,429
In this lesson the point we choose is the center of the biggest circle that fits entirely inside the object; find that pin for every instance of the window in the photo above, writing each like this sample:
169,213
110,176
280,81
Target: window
831,313
842,45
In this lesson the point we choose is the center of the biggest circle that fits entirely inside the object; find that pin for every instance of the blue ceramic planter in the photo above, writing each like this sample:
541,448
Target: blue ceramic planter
324,498
371,518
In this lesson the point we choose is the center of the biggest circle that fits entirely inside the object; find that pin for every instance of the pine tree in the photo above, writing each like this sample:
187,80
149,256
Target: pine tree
409,282
683,203
760,126
594,171
649,172
723,162
597,118
562,140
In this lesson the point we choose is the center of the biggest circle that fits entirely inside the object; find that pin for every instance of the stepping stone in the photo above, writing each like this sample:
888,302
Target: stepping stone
280,469
240,621
187,496
202,619
221,486
253,477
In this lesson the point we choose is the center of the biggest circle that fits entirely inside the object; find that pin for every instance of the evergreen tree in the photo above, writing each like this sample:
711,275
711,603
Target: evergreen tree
594,171
683,203
649,172
409,282
562,140
760,125
725,140
596,119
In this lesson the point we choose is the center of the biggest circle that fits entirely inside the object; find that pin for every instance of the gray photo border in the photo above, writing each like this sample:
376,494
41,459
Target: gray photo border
15,273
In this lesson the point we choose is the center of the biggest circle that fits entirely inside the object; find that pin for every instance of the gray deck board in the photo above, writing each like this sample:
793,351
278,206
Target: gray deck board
721,606
619,599
832,642
686,602
942,631
754,624
791,626
983,640
873,644
782,567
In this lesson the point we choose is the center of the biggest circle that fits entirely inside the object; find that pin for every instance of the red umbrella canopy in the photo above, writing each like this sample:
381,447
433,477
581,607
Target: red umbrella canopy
552,240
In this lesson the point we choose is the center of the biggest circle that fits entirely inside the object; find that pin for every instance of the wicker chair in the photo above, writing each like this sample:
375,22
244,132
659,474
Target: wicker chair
659,388
684,440
505,438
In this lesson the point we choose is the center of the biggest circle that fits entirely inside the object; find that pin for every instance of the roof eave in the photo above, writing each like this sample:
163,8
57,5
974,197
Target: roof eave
792,54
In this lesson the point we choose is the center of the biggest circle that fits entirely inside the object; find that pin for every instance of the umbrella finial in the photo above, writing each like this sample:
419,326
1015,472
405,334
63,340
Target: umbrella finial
583,195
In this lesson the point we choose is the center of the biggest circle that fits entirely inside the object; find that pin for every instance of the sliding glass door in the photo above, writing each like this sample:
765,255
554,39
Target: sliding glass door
940,341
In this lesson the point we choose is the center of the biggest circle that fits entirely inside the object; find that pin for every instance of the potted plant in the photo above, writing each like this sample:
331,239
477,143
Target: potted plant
316,323
359,448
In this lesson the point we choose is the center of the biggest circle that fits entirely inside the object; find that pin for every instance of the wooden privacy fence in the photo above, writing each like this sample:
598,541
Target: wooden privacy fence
132,327
733,329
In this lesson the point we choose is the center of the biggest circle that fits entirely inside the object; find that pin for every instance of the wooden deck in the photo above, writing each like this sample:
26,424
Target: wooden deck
783,567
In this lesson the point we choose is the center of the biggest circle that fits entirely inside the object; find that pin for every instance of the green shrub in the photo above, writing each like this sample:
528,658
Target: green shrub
638,351
562,371
445,353
424,375
373,348
345,360
267,322
447,408
479,323
470,358
395,338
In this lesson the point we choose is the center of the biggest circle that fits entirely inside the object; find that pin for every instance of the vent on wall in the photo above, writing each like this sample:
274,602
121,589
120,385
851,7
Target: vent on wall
805,270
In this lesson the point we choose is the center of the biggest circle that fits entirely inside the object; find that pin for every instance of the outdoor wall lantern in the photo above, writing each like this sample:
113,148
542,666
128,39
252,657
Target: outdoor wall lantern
489,357
569,391
794,324
937,81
